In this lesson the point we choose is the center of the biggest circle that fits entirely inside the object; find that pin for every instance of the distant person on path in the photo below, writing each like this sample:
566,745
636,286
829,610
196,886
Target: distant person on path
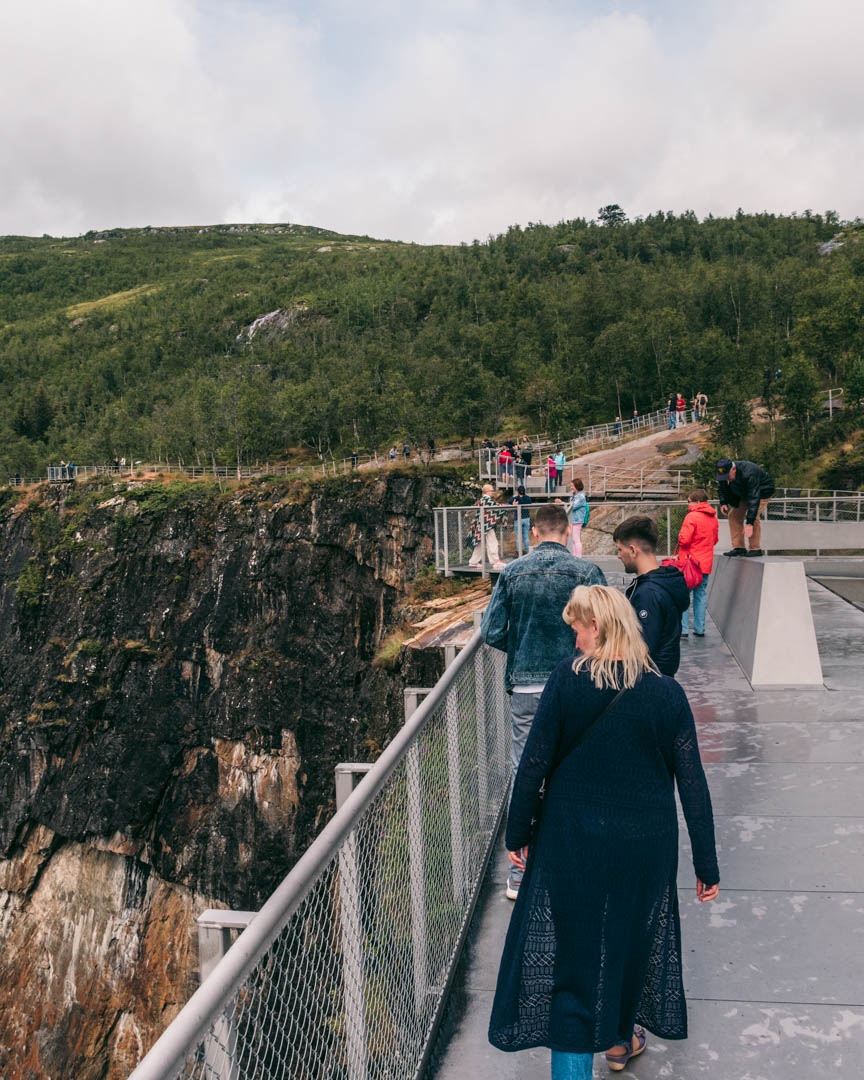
681,410
488,519
702,405
744,490
524,620
617,428
505,463
431,447
551,470
560,464
659,594
672,410
488,448
577,515
522,519
392,453
355,457
593,953
698,538
526,448
406,451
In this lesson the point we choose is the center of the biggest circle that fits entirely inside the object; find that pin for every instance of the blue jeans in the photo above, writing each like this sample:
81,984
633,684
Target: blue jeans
522,710
572,1066
526,535
700,599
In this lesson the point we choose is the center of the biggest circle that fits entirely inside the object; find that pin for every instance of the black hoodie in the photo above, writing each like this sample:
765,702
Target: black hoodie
659,599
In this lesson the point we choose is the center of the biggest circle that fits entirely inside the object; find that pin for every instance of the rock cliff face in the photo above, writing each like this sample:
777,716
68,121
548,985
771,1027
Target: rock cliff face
180,670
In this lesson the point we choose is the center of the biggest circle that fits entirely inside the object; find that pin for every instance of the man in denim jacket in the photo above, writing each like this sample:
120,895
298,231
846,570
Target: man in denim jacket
524,620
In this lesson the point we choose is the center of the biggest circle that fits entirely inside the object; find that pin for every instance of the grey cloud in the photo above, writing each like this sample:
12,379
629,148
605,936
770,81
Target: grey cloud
452,126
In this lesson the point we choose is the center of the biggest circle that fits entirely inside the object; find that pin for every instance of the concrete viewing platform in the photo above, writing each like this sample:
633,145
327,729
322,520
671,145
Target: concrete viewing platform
772,968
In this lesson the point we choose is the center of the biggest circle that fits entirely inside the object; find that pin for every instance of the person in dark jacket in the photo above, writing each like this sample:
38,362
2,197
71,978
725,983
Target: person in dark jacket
593,952
743,489
659,594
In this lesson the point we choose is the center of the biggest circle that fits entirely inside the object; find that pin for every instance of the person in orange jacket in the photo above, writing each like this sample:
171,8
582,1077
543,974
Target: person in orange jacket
697,538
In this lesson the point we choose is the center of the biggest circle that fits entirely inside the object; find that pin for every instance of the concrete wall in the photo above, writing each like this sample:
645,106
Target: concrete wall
762,609
804,535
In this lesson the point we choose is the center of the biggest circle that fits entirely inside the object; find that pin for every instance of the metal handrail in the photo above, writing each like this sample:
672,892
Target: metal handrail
187,1030
453,525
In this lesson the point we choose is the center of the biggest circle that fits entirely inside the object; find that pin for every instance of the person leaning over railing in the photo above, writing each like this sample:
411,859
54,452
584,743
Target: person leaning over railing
593,950
744,490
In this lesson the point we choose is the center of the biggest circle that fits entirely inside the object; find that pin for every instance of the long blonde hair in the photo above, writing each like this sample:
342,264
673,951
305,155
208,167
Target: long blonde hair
619,637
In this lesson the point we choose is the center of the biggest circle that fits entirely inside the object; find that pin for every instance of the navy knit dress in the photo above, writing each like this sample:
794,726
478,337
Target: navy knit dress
594,942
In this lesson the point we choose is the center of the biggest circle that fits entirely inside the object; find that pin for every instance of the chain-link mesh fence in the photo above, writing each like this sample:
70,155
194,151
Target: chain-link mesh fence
351,983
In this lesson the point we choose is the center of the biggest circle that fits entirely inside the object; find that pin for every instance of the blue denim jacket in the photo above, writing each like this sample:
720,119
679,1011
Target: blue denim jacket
524,619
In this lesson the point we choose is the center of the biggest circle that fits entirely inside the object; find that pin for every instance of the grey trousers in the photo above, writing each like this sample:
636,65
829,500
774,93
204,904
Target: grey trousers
522,710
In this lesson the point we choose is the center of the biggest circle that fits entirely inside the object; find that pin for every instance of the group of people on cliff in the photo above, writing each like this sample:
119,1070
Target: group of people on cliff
602,734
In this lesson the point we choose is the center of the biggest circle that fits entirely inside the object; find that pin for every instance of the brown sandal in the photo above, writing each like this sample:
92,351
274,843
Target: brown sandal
616,1062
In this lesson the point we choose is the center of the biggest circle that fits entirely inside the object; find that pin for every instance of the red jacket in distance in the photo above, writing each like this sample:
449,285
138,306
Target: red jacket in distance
699,535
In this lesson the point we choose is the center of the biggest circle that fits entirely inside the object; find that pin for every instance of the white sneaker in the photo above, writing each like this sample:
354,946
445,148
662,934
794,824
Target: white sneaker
498,565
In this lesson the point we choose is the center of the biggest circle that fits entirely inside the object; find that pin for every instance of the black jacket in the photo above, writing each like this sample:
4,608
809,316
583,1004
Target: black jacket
751,483
659,599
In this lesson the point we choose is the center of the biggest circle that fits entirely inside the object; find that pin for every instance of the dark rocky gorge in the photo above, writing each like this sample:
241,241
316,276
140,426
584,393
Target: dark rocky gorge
181,668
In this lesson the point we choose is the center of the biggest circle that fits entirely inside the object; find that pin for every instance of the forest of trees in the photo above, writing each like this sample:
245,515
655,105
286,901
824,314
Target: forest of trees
135,342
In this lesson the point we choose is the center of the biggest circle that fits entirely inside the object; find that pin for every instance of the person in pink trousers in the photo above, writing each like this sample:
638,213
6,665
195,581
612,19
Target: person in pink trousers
577,515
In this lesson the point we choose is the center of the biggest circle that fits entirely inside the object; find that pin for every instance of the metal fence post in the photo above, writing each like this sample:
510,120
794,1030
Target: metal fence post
484,566
480,718
214,940
447,571
668,530
416,864
353,973
459,540
454,784
437,540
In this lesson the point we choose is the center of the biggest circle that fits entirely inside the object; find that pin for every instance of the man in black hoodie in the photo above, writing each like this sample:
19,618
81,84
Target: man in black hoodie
659,594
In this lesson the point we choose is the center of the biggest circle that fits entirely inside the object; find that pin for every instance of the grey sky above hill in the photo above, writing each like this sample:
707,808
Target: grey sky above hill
428,120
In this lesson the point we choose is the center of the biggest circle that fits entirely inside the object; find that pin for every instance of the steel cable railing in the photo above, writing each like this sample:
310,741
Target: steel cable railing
343,973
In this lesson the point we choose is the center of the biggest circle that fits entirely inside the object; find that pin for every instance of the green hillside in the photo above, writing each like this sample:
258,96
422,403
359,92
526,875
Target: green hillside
136,342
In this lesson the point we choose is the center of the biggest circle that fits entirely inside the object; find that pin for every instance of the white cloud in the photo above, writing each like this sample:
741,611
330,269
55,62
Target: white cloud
444,123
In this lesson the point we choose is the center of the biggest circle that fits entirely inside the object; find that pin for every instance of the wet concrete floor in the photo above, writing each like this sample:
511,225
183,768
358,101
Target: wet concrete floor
773,967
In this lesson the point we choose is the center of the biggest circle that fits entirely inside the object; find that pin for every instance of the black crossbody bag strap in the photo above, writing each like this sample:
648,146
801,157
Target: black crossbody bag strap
586,732
600,716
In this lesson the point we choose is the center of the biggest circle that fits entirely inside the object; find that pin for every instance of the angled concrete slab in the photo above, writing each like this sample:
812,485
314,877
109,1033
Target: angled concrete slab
762,609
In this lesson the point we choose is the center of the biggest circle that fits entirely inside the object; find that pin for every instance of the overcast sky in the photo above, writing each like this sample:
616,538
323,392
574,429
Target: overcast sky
425,120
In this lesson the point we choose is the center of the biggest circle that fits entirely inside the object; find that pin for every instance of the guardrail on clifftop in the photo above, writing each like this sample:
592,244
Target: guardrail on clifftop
834,522
344,972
